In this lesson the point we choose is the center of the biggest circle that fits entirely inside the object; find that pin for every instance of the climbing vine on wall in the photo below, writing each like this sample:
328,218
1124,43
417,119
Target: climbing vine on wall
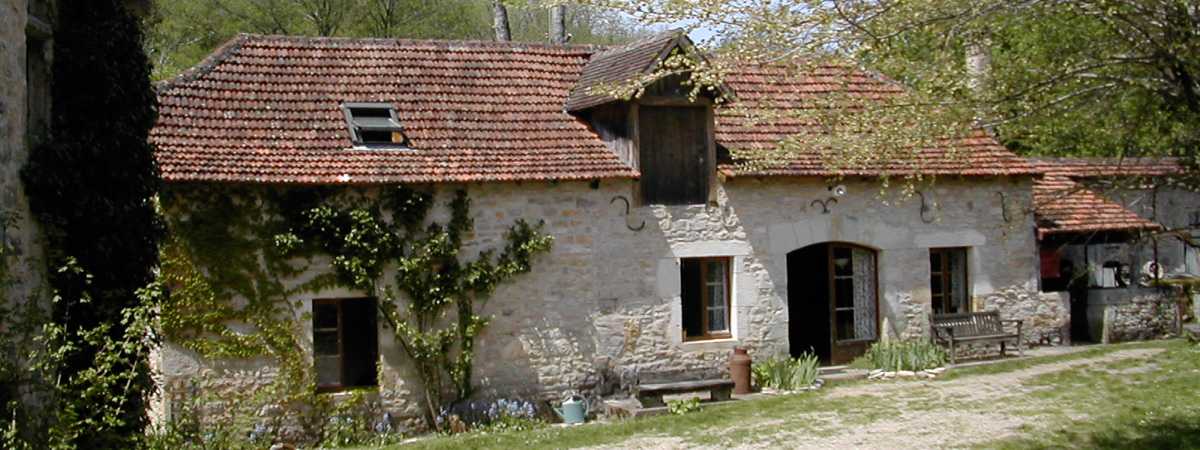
246,244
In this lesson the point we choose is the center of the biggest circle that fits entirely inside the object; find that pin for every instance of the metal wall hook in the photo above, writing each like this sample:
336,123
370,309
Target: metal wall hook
824,204
925,208
627,225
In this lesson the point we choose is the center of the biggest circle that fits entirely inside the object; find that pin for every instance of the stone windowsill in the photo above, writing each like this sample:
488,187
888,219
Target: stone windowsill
710,344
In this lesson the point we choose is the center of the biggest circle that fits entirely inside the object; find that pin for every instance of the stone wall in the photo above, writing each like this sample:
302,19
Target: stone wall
1127,314
18,231
604,304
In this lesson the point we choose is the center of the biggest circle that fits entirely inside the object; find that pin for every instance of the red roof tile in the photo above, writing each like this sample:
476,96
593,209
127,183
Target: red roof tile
266,109
617,65
771,91
1062,205
1112,167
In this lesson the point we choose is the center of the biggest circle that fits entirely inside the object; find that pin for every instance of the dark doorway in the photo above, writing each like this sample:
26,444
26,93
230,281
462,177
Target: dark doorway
1078,290
808,302
832,301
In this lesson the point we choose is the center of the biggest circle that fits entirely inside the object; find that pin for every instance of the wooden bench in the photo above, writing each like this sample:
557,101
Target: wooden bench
969,328
651,395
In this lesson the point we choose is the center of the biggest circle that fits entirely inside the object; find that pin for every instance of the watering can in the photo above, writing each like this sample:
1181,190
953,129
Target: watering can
574,410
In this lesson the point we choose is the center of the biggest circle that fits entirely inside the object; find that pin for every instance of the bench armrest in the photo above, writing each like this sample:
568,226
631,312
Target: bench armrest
1016,321
947,329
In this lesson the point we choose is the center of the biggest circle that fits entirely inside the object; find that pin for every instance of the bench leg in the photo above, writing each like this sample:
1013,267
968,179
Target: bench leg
720,394
651,400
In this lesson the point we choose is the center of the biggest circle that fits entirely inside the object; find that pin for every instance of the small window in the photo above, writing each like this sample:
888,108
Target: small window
345,343
948,280
374,124
706,298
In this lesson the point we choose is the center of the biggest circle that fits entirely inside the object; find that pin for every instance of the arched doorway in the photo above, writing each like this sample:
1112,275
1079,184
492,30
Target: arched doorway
833,301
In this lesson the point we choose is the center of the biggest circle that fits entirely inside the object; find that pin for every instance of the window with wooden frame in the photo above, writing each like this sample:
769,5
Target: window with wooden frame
706,297
948,280
345,343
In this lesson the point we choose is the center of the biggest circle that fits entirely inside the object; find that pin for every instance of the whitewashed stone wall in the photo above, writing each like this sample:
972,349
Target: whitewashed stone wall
604,304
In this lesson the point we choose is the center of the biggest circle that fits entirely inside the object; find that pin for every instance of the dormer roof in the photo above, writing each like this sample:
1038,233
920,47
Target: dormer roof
626,64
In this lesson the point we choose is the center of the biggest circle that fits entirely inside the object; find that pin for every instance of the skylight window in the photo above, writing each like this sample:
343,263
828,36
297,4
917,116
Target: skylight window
374,124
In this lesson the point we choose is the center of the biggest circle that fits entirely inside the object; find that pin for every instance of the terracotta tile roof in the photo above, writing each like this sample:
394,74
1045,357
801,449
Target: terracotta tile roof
771,90
1112,167
266,109
1061,205
617,65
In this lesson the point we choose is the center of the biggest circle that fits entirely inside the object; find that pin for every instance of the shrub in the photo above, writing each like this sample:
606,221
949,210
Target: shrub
785,373
683,406
496,415
911,355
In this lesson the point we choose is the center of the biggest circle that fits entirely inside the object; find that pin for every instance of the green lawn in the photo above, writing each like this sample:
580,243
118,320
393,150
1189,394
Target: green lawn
1140,395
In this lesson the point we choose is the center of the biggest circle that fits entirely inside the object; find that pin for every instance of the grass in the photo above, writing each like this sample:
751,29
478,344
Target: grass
1122,404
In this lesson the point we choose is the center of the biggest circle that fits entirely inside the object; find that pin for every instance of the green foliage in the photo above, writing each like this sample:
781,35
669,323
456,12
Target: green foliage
91,189
786,373
911,355
183,32
430,282
683,405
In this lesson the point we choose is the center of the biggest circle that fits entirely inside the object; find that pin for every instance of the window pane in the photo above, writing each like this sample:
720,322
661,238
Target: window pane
841,262
935,285
325,315
845,325
325,343
327,371
716,320
843,292
957,279
935,261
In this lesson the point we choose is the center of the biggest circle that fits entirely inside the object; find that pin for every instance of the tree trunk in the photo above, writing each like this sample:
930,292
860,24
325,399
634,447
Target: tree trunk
558,24
500,21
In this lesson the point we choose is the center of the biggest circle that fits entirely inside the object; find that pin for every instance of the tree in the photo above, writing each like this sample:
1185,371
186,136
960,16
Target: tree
1088,76
182,32
500,21
91,189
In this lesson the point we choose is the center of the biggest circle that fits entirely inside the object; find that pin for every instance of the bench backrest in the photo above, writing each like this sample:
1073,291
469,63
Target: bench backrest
970,324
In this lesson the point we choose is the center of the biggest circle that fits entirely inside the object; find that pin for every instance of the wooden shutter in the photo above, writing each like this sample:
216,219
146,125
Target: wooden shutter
673,154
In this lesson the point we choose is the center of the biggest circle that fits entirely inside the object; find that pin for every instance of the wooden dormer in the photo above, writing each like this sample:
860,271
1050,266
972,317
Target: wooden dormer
667,136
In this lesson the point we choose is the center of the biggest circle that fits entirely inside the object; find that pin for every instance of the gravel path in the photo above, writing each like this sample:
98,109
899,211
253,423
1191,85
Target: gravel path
936,416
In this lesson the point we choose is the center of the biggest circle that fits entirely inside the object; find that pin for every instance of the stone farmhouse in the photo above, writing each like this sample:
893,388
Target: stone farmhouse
667,254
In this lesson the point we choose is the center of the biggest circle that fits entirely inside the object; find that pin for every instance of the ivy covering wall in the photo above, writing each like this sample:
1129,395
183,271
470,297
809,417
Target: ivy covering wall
237,255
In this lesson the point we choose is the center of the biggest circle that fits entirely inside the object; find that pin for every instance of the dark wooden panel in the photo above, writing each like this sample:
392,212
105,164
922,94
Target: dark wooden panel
673,154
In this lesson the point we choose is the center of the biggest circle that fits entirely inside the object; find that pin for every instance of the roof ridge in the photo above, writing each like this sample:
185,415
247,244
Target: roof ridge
205,66
466,42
